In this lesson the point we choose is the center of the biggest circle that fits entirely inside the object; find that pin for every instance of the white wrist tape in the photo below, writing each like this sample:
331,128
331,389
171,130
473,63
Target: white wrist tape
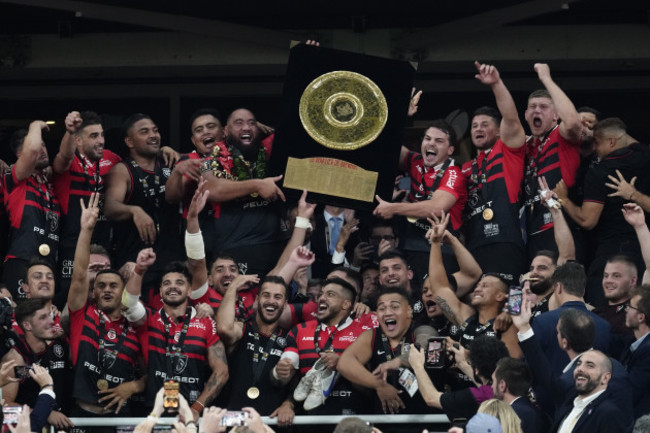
135,313
194,247
303,223
129,300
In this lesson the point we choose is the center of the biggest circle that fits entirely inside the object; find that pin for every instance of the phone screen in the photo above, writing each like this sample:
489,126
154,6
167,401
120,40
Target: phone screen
435,356
514,300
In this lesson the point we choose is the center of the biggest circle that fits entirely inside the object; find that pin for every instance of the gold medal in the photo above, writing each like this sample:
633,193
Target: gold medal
412,220
44,249
102,384
253,392
488,214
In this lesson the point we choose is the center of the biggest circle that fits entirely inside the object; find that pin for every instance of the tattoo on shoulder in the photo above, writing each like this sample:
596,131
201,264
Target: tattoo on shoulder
446,310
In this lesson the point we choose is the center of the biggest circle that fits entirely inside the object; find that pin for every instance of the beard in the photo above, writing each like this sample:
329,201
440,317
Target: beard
176,303
540,287
249,151
267,320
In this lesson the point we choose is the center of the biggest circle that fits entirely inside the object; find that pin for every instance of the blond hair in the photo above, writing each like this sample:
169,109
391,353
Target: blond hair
510,422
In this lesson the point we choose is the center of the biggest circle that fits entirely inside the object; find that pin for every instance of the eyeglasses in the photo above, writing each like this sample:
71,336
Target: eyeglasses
628,306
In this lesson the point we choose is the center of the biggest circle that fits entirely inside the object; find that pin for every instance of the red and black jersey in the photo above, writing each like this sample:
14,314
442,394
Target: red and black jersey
82,179
301,350
34,214
55,359
304,312
555,158
117,360
427,180
188,366
493,182
301,340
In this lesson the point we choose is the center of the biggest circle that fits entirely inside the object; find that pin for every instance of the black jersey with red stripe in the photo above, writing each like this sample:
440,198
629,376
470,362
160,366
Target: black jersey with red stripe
34,214
190,366
116,363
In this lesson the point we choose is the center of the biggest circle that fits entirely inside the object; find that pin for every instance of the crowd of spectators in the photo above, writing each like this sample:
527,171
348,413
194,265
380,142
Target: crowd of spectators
513,285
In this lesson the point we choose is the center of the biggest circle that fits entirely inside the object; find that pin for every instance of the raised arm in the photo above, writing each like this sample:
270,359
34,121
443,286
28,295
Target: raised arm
300,227
469,271
31,150
63,159
300,257
571,126
635,217
561,231
454,310
78,292
231,330
194,246
511,131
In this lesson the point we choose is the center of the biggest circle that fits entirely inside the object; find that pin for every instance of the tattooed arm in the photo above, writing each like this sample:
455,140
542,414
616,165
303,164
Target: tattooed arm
219,377
454,310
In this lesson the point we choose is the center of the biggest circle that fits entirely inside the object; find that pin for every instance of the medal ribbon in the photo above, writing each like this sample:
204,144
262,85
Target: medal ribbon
102,349
258,364
174,349
329,341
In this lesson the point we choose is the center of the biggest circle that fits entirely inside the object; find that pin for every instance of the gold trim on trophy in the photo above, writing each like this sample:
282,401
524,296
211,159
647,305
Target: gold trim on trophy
343,110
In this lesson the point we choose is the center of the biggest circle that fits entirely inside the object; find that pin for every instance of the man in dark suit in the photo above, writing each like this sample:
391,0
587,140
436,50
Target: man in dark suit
575,336
591,408
510,382
636,358
569,282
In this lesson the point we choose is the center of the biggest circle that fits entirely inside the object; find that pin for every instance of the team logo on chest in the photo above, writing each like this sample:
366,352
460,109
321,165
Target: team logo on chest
58,350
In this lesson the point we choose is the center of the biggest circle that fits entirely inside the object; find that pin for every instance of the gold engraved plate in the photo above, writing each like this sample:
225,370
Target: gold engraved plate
488,214
102,384
253,392
44,249
343,110
331,176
